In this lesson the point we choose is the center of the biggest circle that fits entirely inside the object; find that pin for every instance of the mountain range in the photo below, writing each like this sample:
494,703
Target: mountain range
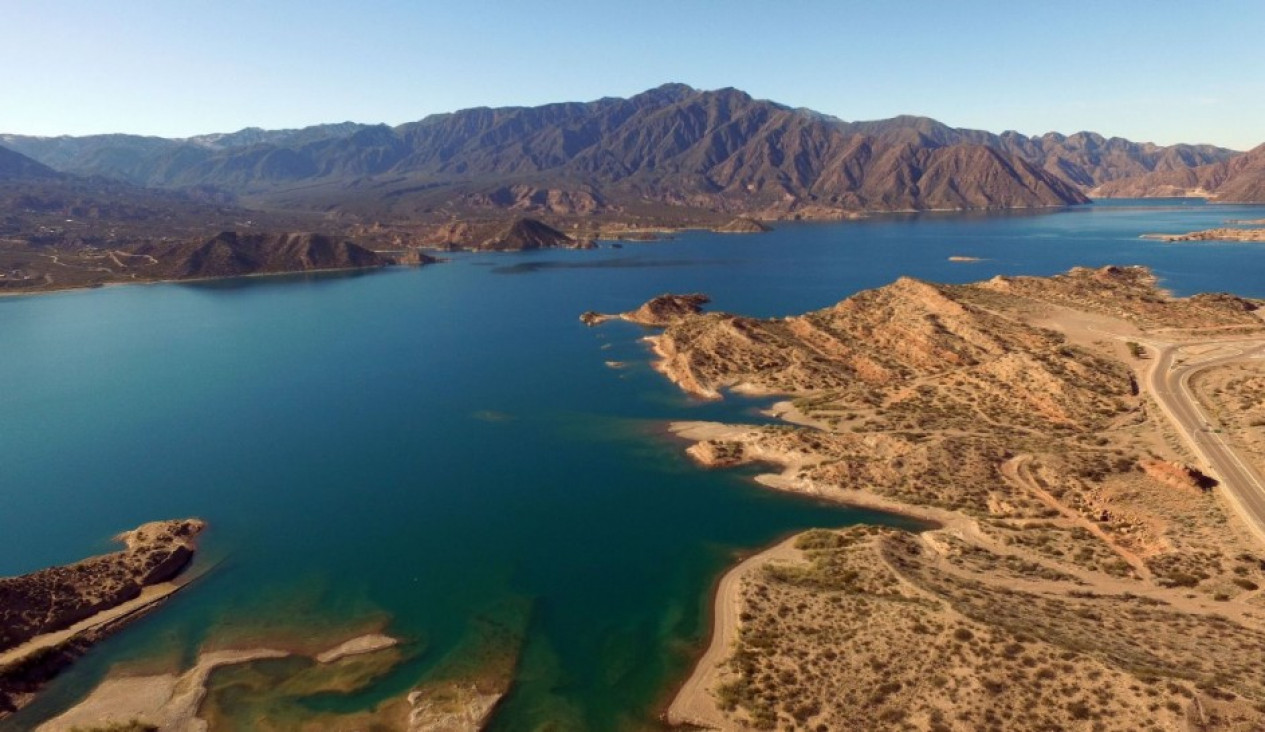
664,153
1240,179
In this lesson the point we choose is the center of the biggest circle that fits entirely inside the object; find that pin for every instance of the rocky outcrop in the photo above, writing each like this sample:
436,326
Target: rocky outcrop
525,234
667,309
451,236
743,225
659,312
1178,475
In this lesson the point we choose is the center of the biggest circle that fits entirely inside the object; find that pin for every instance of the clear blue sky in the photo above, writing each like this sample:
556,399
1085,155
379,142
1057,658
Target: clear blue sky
1161,71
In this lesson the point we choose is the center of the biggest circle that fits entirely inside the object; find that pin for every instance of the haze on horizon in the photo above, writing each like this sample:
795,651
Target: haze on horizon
1150,71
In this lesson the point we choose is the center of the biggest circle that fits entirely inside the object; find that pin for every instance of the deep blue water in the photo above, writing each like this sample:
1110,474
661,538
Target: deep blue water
440,444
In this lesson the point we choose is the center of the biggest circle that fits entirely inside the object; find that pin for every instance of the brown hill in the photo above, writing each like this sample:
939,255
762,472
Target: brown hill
232,254
519,234
1238,180
667,309
872,345
523,234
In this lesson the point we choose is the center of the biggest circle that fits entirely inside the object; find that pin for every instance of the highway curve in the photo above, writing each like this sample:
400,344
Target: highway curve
1169,383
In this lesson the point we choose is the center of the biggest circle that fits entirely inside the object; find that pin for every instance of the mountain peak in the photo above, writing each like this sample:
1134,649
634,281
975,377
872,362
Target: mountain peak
669,93
674,88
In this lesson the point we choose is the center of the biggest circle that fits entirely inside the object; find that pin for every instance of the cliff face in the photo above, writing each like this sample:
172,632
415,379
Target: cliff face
232,254
1238,180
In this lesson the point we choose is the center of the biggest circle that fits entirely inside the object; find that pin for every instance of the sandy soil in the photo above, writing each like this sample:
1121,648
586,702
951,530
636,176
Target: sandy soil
167,701
694,702
171,701
355,646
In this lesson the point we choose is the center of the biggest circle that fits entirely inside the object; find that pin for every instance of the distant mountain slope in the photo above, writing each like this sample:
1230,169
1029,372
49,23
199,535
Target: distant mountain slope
16,167
153,160
719,151
1238,180
1084,159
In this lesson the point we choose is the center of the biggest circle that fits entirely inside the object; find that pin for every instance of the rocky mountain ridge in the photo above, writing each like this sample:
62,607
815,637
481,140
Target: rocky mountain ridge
1238,180
671,146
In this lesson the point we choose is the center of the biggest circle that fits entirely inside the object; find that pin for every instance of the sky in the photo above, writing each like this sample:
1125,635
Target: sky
1157,71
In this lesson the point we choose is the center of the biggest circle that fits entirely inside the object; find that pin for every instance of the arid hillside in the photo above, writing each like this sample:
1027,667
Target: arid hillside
1240,179
1081,570
673,146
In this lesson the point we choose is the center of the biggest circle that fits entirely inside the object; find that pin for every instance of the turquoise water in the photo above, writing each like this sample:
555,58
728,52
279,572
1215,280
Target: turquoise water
433,446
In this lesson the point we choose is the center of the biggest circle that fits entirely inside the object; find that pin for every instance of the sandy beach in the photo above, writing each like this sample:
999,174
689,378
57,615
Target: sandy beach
694,702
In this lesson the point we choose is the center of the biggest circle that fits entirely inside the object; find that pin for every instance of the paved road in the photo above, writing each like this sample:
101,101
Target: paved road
1169,383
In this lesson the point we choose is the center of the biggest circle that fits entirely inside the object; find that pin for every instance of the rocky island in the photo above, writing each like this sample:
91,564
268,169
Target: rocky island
50,617
1081,566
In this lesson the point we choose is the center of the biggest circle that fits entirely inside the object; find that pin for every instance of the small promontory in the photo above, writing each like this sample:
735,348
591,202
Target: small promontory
659,312
743,225
523,234
51,616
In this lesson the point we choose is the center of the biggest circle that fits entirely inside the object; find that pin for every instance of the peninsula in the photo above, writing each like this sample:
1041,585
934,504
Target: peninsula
51,617
1096,551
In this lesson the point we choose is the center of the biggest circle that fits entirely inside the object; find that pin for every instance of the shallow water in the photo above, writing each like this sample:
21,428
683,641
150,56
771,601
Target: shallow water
427,448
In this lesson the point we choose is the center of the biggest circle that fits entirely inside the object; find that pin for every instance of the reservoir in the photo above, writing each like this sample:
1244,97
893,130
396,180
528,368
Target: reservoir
448,454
